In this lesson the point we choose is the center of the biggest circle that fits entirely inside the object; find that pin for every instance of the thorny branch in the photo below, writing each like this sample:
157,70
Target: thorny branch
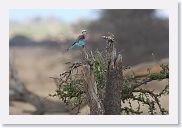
73,85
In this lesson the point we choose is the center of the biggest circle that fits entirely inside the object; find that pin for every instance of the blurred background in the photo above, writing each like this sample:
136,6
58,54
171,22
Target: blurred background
38,39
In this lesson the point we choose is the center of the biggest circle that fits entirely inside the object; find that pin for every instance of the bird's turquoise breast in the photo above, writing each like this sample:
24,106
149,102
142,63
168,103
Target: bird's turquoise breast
81,42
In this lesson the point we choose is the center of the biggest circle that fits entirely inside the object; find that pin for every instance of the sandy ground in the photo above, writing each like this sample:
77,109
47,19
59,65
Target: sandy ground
36,65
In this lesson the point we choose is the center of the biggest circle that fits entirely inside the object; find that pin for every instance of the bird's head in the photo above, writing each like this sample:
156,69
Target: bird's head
84,32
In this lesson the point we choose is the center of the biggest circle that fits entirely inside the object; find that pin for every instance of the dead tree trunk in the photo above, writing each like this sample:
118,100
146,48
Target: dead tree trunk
114,79
90,87
19,92
111,105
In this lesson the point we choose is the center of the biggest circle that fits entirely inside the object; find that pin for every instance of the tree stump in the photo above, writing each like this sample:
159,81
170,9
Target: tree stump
111,104
114,79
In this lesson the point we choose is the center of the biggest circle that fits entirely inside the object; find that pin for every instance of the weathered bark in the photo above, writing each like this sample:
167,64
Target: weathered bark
90,87
114,79
94,102
111,105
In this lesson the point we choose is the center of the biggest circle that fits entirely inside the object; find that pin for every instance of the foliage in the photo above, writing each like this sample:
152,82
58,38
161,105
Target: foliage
99,68
70,91
39,28
71,83
131,91
164,73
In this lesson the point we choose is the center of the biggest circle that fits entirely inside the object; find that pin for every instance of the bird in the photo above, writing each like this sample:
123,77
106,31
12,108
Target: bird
80,41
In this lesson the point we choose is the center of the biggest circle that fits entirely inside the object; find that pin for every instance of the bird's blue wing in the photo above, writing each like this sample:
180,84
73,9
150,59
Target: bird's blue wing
81,42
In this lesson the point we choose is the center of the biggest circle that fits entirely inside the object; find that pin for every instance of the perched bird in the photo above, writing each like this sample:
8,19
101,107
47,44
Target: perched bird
80,41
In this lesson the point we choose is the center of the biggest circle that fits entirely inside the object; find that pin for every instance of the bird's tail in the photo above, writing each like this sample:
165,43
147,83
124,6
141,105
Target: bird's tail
69,48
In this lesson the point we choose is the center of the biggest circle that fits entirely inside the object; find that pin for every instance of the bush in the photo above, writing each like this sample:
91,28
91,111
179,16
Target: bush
98,80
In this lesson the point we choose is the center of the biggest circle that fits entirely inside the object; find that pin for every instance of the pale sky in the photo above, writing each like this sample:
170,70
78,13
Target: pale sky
65,15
